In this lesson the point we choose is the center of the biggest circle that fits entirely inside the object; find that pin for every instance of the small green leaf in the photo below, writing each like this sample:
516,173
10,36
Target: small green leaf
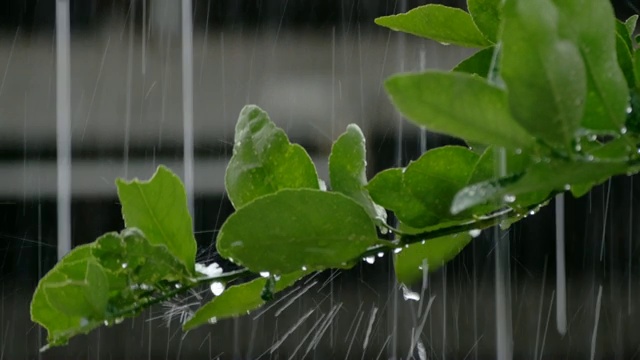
542,176
460,105
299,229
66,312
625,35
545,75
589,25
264,161
625,62
158,208
347,171
440,23
411,193
631,23
478,63
486,16
238,300
434,253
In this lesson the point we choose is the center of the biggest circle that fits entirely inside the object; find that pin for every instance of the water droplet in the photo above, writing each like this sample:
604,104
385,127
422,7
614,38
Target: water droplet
264,274
124,265
407,294
380,254
217,288
236,244
578,147
178,286
212,320
384,230
509,198
518,151
629,109
322,185
567,187
370,259
397,250
304,268
532,212
592,137
84,322
475,232
623,130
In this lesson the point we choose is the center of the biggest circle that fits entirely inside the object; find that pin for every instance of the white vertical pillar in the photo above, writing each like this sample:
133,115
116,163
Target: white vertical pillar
63,125
187,98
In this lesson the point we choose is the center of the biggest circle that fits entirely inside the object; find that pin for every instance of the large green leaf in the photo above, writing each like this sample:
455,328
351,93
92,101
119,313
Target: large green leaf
434,253
421,195
544,74
264,161
440,23
486,16
539,177
347,170
460,105
69,299
298,229
589,25
158,207
238,300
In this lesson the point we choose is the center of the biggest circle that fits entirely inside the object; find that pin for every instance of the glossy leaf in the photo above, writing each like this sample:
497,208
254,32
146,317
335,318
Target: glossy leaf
434,253
590,26
69,298
347,170
478,63
158,208
486,16
538,68
441,23
630,24
297,228
625,31
460,105
264,161
625,61
238,300
421,195
543,176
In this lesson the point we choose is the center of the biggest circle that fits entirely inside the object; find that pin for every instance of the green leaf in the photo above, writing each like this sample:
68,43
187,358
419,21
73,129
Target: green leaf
238,300
421,195
158,208
264,161
347,171
636,66
545,75
70,297
434,253
460,105
630,24
625,35
543,176
298,229
589,25
625,62
478,63
486,16
440,23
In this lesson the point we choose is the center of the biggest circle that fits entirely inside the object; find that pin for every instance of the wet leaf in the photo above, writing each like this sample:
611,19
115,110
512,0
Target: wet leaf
486,16
347,171
538,68
434,253
158,208
297,228
590,26
440,23
264,161
625,31
460,105
625,61
421,195
238,300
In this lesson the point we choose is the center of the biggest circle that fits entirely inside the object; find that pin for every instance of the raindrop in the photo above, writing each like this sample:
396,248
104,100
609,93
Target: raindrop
629,109
567,187
509,198
475,232
84,322
370,259
380,254
518,151
304,268
217,288
397,250
384,230
623,130
213,320
264,274
124,265
322,185
578,147
407,294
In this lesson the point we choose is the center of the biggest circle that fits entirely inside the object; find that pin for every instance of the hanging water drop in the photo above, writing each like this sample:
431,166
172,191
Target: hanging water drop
475,233
304,268
370,259
322,185
217,288
124,265
397,250
407,294
629,109
623,130
380,254
212,320
265,274
567,187
509,198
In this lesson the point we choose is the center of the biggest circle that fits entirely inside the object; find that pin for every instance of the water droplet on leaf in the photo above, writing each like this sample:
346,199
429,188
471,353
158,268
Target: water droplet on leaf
217,288
509,198
475,232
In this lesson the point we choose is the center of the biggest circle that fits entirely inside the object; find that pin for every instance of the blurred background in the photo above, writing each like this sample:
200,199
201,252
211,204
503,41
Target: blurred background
148,83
